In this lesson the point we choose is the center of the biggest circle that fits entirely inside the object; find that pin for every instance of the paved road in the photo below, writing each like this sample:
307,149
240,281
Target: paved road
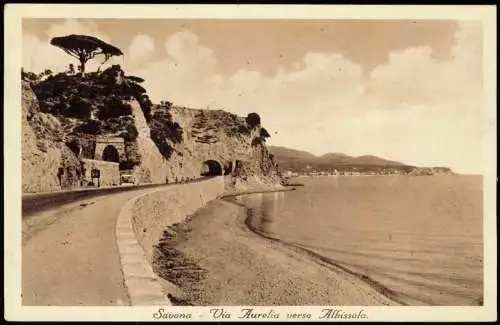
72,257
35,203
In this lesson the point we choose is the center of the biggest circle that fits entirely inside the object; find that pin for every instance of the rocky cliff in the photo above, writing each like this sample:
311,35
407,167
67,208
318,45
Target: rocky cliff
216,135
207,137
47,163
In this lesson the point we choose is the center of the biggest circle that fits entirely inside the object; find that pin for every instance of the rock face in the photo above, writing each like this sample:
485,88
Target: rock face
153,166
222,137
215,138
47,163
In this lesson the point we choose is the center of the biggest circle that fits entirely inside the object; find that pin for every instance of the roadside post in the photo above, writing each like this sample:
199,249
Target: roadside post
96,173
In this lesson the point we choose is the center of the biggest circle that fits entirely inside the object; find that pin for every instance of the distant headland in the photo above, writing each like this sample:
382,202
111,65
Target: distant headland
297,162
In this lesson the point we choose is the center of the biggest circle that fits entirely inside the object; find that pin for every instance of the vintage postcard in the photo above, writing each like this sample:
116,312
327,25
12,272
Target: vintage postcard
244,163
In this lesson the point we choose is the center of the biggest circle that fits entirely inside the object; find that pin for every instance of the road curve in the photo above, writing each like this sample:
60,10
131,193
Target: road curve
72,258
35,203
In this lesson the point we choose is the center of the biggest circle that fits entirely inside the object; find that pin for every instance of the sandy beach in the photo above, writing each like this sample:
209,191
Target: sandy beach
215,259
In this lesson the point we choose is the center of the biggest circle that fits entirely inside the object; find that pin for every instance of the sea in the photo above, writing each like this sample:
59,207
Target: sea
418,239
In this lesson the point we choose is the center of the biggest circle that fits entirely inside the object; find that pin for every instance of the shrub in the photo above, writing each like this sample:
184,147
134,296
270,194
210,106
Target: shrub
90,127
74,145
132,157
130,133
253,119
257,141
135,89
163,129
243,129
88,91
264,134
146,106
162,121
114,107
159,139
127,164
79,108
28,76
168,105
46,72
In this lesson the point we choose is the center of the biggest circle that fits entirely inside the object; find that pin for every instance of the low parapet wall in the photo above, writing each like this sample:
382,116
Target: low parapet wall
110,172
140,226
152,213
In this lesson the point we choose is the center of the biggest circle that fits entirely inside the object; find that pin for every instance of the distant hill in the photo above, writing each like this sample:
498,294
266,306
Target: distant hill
291,153
342,159
298,160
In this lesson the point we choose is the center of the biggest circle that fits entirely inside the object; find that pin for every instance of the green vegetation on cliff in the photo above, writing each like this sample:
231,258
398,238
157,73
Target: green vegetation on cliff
98,104
164,131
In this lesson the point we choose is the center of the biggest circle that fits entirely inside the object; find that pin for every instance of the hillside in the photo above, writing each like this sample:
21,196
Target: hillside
302,161
339,159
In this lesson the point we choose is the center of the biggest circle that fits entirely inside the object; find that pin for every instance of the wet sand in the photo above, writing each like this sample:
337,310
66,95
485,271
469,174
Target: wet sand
215,259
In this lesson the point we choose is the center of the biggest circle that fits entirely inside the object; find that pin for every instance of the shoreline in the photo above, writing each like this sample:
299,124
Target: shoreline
229,194
322,259
241,267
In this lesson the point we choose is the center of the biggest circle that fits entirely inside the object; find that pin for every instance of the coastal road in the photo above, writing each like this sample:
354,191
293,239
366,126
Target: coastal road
39,202
35,203
69,251
70,256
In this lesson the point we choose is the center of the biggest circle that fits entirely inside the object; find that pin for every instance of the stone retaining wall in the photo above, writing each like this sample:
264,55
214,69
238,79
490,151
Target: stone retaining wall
110,172
152,213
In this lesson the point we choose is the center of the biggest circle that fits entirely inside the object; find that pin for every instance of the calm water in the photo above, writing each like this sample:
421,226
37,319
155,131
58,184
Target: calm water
421,237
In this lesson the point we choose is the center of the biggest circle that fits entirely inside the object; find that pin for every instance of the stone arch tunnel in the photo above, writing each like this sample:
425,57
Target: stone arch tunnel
110,153
211,168
109,149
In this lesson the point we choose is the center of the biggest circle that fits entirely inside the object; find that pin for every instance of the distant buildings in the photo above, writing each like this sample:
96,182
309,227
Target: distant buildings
290,173
388,171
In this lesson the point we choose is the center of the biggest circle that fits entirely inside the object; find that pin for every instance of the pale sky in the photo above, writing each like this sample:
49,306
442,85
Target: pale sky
404,90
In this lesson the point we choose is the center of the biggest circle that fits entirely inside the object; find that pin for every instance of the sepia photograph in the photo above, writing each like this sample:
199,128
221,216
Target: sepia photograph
250,167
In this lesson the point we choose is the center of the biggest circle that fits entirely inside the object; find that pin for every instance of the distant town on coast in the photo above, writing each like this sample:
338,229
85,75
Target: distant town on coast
295,163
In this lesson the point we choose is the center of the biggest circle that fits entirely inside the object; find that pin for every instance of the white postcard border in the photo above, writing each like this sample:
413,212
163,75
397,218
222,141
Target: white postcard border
12,144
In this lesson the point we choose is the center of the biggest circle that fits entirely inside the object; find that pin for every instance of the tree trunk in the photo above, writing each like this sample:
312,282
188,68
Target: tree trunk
106,58
82,66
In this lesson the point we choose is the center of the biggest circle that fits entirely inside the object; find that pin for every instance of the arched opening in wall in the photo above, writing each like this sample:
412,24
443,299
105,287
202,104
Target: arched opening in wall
110,154
211,168
228,168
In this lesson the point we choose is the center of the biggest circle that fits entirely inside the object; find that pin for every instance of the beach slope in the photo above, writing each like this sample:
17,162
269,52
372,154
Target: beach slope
214,259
